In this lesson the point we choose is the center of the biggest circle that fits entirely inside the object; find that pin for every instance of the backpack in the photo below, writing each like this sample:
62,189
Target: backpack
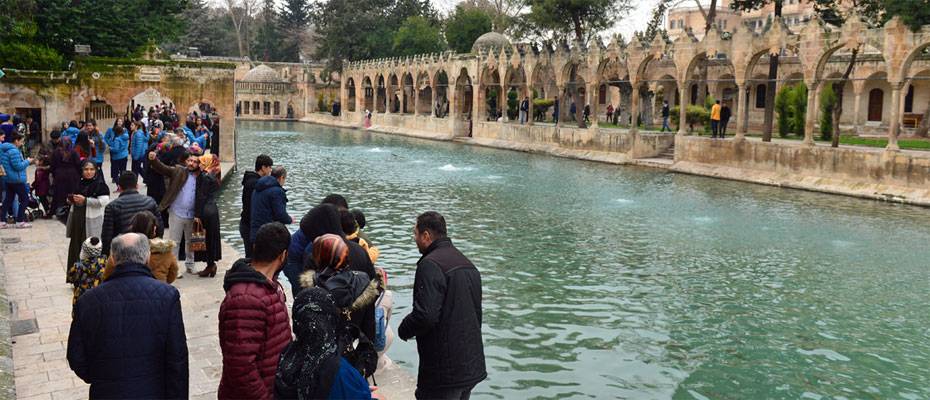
358,350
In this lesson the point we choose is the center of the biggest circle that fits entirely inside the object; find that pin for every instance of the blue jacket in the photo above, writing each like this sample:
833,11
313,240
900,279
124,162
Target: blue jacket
119,145
269,204
101,145
295,259
127,337
71,133
201,138
13,163
140,144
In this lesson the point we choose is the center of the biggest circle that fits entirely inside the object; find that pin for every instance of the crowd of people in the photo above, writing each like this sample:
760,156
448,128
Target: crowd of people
127,336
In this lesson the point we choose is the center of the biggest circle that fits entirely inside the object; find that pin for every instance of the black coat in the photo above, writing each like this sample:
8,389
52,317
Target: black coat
205,208
269,204
446,319
127,338
249,178
118,215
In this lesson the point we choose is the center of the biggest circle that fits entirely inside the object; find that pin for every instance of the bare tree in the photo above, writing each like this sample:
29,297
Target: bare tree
241,12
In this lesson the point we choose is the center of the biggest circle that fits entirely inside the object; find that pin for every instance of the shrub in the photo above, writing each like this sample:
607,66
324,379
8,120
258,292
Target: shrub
791,108
827,103
30,56
512,105
694,114
541,108
320,103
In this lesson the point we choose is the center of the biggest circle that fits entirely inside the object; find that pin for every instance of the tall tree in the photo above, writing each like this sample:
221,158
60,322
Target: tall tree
268,38
654,27
504,13
582,19
294,19
241,13
417,36
464,26
769,116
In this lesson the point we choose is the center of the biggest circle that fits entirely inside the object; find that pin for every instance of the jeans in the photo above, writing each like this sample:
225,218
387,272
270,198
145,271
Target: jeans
459,393
665,124
714,126
17,189
522,117
138,169
117,167
178,229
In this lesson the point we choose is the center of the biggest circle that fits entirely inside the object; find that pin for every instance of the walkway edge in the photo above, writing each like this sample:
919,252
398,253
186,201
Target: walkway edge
7,377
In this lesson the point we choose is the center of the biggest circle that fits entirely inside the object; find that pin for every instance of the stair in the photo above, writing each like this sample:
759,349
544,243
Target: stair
668,154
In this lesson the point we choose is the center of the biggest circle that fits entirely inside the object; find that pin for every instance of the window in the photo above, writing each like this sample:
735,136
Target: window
909,99
876,98
277,108
266,107
246,108
256,107
760,96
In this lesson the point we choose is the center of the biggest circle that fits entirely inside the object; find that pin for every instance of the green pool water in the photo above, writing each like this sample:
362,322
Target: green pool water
605,281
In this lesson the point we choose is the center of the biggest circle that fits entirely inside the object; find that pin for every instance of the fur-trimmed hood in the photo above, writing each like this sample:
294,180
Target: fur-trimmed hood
159,245
310,278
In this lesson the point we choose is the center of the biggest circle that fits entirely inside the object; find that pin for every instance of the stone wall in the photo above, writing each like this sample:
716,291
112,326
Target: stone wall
901,176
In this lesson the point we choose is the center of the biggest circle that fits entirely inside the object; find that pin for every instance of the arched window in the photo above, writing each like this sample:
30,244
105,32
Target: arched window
909,99
876,99
760,95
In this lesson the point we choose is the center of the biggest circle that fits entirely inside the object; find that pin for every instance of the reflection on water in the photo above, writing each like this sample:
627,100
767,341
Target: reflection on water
605,281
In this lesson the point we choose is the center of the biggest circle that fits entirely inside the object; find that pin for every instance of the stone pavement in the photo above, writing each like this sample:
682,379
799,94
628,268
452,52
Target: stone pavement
33,274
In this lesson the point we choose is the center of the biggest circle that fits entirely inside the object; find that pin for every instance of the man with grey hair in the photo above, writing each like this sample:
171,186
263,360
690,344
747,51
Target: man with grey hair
269,201
127,335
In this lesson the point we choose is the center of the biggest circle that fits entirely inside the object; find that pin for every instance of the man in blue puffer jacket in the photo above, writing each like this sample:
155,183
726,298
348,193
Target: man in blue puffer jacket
14,183
119,152
140,146
72,131
269,201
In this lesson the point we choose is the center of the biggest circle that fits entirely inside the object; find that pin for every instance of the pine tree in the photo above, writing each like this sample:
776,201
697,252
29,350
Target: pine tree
268,38
293,21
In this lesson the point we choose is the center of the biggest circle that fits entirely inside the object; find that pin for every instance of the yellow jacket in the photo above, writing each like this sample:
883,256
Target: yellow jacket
715,112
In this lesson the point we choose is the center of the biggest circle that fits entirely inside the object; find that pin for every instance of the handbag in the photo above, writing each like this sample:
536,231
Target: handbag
198,237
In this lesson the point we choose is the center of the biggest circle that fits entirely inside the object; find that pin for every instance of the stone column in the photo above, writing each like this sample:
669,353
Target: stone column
683,107
741,117
562,104
858,87
895,116
744,111
811,117
416,99
530,113
592,100
634,107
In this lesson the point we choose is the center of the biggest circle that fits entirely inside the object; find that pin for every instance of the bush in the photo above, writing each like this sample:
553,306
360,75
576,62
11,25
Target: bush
791,108
827,103
541,108
512,105
694,114
30,56
320,103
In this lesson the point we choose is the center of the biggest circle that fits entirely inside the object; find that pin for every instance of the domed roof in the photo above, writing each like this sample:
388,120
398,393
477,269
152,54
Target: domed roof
261,73
490,40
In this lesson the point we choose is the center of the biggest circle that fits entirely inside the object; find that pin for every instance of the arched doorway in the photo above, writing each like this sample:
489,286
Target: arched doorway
381,95
424,94
441,89
350,95
491,93
369,93
876,100
408,93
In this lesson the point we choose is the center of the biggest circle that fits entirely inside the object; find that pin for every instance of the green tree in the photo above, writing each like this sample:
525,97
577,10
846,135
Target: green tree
294,18
417,36
782,110
268,38
464,26
770,88
580,19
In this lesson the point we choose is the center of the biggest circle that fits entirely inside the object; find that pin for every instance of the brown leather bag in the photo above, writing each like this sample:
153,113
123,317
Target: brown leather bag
198,237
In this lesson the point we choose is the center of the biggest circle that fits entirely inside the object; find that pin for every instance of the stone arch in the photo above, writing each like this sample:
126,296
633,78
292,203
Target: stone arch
614,89
543,81
514,81
575,80
394,93
441,93
408,88
424,93
380,94
350,94
368,91
464,95
490,93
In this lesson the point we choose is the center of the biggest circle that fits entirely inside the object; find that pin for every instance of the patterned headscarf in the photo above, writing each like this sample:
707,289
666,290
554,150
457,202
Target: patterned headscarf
210,164
330,252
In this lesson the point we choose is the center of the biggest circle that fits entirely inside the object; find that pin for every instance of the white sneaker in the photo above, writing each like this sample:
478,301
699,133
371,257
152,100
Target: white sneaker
23,225
4,225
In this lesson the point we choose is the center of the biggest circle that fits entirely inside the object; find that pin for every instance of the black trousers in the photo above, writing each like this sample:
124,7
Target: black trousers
138,169
117,167
459,393
723,127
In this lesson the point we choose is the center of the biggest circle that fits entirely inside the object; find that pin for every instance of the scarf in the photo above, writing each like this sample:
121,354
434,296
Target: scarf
93,187
309,364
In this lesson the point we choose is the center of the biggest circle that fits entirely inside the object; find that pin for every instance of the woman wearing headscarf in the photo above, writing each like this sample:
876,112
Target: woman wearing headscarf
312,366
205,210
210,164
84,147
87,205
66,173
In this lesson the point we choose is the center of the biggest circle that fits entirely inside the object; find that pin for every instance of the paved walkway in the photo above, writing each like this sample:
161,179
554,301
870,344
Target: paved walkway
33,273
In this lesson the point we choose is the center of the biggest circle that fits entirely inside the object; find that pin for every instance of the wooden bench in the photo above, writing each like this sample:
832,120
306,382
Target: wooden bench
911,120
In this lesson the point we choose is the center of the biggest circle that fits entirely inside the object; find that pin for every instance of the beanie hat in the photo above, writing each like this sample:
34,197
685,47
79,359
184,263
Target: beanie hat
91,248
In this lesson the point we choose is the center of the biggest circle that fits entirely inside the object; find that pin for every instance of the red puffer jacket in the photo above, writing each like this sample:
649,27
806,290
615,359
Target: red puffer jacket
254,329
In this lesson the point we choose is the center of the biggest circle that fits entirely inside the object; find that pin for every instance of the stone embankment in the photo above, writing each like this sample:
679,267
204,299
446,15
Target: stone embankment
871,173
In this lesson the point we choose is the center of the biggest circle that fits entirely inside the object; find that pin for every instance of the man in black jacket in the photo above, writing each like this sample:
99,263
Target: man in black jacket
127,336
446,316
263,164
118,214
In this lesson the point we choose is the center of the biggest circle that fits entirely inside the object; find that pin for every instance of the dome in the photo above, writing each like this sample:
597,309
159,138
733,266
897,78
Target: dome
490,40
261,73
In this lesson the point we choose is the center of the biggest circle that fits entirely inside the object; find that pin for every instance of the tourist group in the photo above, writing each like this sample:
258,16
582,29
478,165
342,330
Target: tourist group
127,336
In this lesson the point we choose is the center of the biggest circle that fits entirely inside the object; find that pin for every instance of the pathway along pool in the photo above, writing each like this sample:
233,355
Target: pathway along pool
603,281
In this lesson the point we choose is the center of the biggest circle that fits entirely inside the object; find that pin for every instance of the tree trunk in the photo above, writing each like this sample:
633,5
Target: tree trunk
770,86
838,89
